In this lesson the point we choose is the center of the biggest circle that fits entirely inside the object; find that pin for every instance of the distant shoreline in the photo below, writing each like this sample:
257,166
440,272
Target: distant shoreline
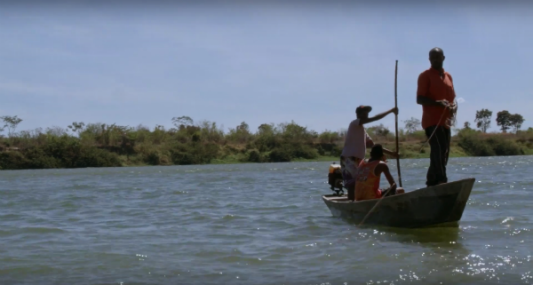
330,159
101,145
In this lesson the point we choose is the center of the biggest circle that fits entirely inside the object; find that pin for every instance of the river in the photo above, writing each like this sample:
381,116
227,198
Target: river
253,224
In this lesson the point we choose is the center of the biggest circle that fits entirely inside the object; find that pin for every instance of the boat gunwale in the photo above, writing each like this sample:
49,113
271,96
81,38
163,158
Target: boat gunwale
340,206
328,197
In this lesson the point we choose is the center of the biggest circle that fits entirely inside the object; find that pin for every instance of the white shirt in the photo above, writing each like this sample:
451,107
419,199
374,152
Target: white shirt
355,141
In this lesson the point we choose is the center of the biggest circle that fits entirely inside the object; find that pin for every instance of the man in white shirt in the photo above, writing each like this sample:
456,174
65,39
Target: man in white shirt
355,144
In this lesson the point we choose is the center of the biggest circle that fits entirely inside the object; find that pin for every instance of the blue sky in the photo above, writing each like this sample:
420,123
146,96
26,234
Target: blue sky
260,63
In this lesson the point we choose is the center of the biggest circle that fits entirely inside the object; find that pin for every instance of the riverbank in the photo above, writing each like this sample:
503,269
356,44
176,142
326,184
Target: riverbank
239,159
112,146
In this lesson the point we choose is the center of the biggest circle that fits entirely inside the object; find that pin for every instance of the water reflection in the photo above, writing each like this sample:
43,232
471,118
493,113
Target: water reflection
441,235
438,240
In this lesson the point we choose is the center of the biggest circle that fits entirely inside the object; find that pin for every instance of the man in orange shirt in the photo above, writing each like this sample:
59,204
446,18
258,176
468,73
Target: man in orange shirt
436,95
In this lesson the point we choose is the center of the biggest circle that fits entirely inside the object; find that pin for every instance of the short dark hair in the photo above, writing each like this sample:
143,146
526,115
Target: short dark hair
361,109
377,151
436,50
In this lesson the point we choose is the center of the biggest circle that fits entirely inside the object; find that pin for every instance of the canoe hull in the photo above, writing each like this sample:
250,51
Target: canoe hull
432,206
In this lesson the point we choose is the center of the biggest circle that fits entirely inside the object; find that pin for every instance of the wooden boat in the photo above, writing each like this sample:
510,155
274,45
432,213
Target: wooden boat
440,205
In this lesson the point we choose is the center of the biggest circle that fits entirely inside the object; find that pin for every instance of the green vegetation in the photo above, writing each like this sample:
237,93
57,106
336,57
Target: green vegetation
476,143
103,145
483,119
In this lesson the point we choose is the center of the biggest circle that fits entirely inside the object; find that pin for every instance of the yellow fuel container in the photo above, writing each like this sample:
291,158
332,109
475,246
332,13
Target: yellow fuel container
333,166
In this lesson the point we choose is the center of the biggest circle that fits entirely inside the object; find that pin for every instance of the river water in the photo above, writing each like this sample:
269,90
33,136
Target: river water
253,224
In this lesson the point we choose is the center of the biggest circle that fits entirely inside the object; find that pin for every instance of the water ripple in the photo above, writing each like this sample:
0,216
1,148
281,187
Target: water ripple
252,224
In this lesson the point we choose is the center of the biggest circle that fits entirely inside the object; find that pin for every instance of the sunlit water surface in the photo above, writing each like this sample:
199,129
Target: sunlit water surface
253,224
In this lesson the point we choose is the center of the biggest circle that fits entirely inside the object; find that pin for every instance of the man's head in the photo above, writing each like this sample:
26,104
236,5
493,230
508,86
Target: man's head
362,111
436,57
377,152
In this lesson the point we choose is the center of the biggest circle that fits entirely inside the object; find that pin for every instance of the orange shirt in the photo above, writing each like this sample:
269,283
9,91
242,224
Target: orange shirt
431,85
367,182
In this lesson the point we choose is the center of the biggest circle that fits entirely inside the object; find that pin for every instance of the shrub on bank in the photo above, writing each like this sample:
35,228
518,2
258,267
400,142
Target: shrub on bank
475,146
58,156
280,155
503,146
12,160
476,143
94,157
254,156
194,153
288,152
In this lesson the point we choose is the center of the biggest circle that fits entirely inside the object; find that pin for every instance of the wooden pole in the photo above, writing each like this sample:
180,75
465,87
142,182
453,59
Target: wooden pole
396,105
397,148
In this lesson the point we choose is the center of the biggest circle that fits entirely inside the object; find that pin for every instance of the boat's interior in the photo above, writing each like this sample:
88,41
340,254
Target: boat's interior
343,198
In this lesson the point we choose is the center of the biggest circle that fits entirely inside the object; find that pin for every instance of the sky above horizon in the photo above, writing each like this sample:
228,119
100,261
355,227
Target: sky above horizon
310,63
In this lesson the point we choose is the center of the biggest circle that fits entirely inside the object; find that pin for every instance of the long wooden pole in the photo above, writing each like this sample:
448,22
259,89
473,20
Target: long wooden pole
396,105
397,159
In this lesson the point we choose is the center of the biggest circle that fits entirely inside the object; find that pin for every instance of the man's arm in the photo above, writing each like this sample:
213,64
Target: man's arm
383,168
423,100
378,117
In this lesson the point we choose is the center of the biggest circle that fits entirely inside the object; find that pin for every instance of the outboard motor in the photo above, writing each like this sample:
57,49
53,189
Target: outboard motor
335,179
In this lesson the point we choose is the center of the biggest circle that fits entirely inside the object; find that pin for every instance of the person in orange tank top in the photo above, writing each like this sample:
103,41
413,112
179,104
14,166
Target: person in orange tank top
369,174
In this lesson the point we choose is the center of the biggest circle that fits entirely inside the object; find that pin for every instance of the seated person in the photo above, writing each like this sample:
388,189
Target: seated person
369,174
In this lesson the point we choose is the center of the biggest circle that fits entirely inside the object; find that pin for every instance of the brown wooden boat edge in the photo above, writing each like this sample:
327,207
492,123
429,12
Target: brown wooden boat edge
333,197
354,210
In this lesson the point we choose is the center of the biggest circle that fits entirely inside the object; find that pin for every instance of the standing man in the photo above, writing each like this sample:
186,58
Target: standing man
355,144
436,95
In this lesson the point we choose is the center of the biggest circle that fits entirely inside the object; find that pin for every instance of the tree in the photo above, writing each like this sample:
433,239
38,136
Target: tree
264,129
379,130
483,117
243,127
412,125
503,119
329,137
292,132
467,125
516,121
11,123
77,127
182,121
240,134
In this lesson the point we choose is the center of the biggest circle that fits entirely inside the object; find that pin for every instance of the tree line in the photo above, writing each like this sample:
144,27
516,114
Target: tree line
504,120
187,142
83,144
